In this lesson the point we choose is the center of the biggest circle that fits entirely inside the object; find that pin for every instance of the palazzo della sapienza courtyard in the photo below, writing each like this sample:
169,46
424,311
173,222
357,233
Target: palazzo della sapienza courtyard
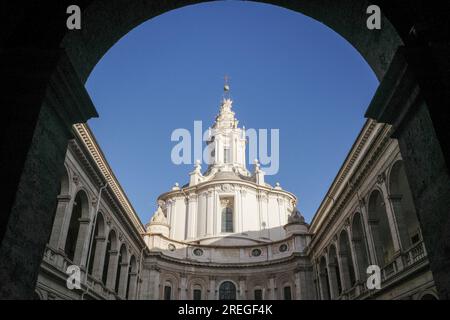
226,229
227,234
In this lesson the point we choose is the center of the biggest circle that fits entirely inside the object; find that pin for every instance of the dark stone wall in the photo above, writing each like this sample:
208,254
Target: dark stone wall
24,241
427,172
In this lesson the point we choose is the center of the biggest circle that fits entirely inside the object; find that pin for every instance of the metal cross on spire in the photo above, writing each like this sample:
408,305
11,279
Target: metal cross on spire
226,87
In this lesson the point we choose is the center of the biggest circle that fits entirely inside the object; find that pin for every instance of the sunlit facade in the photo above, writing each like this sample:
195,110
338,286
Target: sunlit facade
228,234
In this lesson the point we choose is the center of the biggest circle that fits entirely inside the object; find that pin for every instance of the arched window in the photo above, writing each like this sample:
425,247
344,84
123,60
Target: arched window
258,294
287,293
227,219
227,291
80,207
381,232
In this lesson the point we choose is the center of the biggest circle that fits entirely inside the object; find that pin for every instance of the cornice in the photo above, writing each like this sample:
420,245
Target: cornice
192,244
85,135
188,262
212,183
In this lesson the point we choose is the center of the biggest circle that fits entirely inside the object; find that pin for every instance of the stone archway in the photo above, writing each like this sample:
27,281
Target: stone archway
37,121
86,48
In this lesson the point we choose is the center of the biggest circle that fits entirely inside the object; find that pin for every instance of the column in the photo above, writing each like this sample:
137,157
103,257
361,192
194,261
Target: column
367,226
324,282
237,212
392,224
272,293
242,288
132,285
112,269
183,287
304,283
56,241
202,207
243,194
374,231
210,213
212,288
82,242
155,283
356,245
99,257
216,223
123,279
344,270
173,218
149,288
390,214
396,204
298,283
332,278
192,218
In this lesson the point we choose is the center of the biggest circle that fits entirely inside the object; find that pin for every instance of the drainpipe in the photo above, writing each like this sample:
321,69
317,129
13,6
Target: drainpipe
92,238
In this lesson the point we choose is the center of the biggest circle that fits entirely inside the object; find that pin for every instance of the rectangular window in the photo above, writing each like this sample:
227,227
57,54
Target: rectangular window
167,292
227,155
227,220
258,294
287,293
197,294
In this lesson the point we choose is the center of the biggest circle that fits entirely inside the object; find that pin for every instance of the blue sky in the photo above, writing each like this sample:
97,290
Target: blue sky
287,71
